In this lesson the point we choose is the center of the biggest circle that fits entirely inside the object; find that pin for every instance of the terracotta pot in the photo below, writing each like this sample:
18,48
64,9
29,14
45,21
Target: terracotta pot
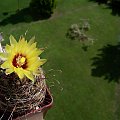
38,114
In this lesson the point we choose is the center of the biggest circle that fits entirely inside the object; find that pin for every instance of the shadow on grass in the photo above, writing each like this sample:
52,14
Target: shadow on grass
114,6
107,63
23,15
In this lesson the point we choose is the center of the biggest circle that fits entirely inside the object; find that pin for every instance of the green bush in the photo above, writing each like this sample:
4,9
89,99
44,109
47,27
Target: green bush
42,8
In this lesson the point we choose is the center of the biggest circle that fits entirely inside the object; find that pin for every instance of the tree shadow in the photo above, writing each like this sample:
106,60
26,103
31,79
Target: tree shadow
115,8
99,1
113,5
107,63
23,15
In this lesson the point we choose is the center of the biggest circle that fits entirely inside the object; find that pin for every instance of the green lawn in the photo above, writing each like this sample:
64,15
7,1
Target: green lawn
84,97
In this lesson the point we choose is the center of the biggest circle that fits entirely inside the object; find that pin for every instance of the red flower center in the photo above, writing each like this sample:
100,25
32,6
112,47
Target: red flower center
20,61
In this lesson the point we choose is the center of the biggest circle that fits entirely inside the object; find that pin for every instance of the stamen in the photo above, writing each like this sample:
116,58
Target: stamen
20,61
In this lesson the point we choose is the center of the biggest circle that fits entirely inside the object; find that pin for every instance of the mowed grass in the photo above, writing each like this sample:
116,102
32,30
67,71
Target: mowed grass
83,97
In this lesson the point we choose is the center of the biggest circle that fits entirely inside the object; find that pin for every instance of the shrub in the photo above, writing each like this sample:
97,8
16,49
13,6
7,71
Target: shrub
42,8
78,32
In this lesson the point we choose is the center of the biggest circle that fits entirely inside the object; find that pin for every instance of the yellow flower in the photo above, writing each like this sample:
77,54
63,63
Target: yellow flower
22,57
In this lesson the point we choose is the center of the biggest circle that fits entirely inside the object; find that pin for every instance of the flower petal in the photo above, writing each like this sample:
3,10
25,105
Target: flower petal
5,65
29,75
9,71
12,40
35,52
42,61
31,40
8,48
33,65
3,55
19,72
